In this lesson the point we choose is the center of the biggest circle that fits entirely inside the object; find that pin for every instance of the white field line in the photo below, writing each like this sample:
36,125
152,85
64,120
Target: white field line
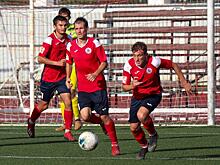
105,158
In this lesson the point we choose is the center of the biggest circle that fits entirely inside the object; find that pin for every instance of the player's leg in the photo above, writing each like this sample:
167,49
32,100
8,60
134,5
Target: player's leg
86,107
135,128
47,90
100,100
148,105
78,123
68,112
139,136
68,116
62,107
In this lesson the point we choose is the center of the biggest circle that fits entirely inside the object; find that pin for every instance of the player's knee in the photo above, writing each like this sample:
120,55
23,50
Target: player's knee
134,129
85,114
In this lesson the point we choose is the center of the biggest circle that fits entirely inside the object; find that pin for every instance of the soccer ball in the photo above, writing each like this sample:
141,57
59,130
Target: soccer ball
88,140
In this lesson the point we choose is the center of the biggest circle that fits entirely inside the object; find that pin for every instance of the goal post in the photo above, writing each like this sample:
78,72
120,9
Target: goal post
211,56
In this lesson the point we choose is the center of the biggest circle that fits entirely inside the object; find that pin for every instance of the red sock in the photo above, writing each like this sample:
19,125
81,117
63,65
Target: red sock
35,114
110,128
68,117
139,135
95,119
149,126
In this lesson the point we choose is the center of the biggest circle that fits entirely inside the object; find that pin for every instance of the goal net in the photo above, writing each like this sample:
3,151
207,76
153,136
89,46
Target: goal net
176,30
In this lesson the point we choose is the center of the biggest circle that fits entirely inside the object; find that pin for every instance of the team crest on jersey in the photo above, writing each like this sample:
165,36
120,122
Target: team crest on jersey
88,50
149,70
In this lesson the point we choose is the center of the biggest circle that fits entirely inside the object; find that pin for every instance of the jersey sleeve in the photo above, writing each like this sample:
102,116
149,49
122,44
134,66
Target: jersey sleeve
100,52
73,78
46,46
166,63
126,80
69,59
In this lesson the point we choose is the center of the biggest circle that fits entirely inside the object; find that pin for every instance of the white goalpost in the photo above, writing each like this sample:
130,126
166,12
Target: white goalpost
211,56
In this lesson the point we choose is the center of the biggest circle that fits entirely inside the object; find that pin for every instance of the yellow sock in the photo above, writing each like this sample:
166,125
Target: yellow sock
75,107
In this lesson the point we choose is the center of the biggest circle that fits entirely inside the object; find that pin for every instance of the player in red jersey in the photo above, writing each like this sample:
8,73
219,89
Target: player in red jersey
90,61
53,78
141,75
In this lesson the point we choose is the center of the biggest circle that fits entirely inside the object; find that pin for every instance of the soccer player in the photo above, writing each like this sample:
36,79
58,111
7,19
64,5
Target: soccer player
53,78
90,61
65,12
141,75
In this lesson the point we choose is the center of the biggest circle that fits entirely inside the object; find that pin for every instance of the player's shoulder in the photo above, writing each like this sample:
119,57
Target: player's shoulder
128,64
155,61
49,40
95,41
71,44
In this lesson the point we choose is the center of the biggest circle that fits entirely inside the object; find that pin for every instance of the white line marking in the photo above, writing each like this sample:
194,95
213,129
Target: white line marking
106,158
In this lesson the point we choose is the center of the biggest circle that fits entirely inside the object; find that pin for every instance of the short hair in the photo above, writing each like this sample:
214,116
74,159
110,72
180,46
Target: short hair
59,18
139,46
64,10
81,19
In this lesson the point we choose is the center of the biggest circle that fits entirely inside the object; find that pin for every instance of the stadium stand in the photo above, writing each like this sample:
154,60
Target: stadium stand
180,35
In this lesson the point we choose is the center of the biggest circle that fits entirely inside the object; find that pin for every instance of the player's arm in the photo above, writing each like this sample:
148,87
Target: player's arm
92,76
182,79
44,60
131,86
68,73
100,53
69,63
44,52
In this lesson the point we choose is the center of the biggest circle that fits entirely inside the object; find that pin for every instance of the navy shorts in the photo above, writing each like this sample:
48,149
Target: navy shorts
97,101
150,102
48,89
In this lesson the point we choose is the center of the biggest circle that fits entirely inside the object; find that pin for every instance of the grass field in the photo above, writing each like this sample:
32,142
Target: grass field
176,145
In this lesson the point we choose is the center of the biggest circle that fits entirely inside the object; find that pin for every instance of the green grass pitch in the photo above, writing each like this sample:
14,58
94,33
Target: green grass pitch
176,146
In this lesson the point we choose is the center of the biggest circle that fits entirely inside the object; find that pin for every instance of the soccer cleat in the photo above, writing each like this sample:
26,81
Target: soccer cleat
152,144
141,154
103,128
77,125
69,137
30,128
115,150
61,128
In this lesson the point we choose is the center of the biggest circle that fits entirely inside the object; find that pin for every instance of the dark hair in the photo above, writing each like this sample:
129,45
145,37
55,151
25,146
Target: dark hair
139,46
81,19
64,10
59,18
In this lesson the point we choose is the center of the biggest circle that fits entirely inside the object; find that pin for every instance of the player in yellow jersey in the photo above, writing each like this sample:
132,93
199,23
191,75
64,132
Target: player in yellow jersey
72,35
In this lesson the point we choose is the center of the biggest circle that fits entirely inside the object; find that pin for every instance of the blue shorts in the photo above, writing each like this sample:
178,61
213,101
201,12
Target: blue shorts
150,102
48,89
97,101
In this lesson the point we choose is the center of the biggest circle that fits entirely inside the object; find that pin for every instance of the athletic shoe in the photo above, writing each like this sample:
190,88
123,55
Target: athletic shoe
61,128
30,128
69,137
115,150
103,129
152,144
141,154
77,124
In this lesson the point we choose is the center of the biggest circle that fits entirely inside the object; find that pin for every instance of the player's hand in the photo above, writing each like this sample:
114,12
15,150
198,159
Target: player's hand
135,83
187,86
61,62
68,83
91,77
